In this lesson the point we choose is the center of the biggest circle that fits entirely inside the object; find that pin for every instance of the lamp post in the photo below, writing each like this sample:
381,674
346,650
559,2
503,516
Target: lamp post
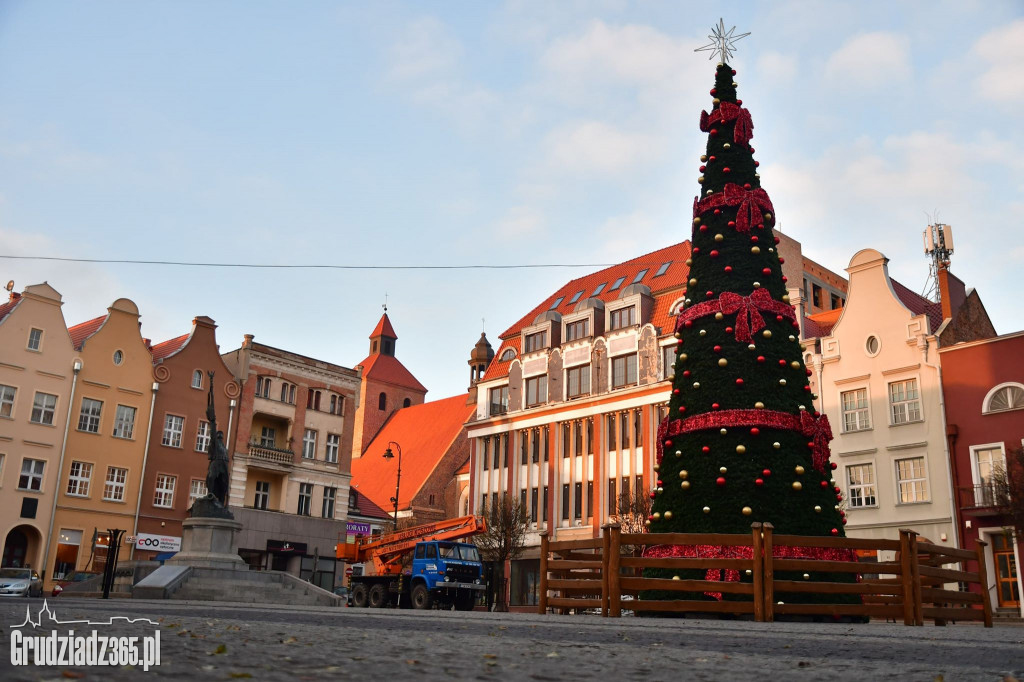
398,479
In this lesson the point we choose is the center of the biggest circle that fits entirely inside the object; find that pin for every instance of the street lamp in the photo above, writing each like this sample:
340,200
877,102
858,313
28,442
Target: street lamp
398,480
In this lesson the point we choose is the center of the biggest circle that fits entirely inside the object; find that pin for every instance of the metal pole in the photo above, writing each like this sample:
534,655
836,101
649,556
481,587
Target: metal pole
76,367
142,474
398,480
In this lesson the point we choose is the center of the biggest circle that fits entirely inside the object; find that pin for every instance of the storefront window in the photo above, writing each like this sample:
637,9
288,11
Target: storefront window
525,581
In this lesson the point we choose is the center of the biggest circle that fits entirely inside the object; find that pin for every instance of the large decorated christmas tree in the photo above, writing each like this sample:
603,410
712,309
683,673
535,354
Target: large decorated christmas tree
742,442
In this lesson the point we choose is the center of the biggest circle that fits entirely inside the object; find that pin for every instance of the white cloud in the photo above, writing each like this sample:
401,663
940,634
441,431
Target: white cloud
776,68
1003,49
426,47
870,61
597,147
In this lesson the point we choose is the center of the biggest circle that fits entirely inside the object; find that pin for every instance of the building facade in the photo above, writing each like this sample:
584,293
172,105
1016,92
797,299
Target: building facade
290,474
179,436
38,377
567,412
983,386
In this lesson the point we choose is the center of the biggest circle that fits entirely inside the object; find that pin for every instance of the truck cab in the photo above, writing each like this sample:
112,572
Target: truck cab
450,572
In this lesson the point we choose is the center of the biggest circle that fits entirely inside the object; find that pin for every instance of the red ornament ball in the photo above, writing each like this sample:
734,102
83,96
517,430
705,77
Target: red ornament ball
709,293
668,444
713,91
776,240
686,373
714,406
768,271
702,169
753,238
778,318
714,253
782,362
728,330
833,466
712,158
746,185
718,211
835,531
760,358
785,279
739,382
809,373
705,449
728,268
714,131
682,408
766,472
824,484
720,480
844,520
732,223
781,260
726,170
688,324
718,349
676,391
703,228
755,431
696,250
756,164
759,482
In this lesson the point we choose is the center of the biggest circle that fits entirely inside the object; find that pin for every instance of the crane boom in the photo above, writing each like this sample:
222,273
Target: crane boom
386,550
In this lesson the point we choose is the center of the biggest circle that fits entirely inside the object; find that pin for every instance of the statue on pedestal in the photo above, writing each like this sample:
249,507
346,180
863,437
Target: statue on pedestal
215,503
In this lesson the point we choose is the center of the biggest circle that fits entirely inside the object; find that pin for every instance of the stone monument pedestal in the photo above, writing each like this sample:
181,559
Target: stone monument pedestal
209,543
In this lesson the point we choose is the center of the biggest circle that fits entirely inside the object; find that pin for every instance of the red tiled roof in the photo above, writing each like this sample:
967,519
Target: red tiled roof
80,332
499,368
11,304
384,328
388,369
425,433
674,277
167,348
366,507
919,305
821,324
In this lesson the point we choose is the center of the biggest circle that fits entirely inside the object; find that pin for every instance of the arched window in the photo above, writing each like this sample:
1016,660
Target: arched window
284,393
334,404
508,355
316,400
197,379
291,394
382,401
1008,396
406,403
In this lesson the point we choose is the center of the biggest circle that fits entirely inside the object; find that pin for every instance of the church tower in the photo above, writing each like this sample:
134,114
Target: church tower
479,358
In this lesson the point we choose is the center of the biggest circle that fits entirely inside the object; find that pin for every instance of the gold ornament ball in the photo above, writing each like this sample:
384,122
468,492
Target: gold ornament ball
656,515
679,453
723,431
689,262
676,577
727,145
747,511
782,382
776,445
785,297
707,510
709,192
723,470
797,485
795,364
715,101
660,489
807,576
696,384
683,356
696,221
766,334
647,523
668,515
755,249
678,335
817,509
751,347
741,449
792,338
722,362
719,316
749,572
700,179
657,467
836,507
719,237
799,470
685,485
758,405
757,285
703,157
767,216
693,281
683,473
703,332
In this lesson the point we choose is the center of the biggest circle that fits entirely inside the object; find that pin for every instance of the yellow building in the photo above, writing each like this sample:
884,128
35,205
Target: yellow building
106,444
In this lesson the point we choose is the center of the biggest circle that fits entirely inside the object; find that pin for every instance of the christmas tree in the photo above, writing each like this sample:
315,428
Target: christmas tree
742,441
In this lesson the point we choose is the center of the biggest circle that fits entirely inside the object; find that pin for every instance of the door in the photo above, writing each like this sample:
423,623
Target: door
1007,590
15,548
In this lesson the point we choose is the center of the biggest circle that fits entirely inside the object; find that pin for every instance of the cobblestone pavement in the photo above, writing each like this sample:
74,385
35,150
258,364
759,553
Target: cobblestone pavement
229,641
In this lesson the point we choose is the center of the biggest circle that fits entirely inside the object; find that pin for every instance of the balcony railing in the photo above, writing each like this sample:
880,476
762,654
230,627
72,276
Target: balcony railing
270,454
984,496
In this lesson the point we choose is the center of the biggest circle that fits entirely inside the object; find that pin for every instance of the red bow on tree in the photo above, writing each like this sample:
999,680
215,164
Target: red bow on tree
753,203
749,308
820,433
727,111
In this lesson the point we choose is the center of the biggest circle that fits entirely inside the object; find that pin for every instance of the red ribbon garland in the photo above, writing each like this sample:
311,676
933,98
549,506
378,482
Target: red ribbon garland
753,204
728,111
741,552
816,429
748,309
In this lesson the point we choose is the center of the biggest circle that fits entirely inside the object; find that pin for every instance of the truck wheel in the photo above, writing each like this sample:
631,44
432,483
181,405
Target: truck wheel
464,601
359,595
378,597
421,597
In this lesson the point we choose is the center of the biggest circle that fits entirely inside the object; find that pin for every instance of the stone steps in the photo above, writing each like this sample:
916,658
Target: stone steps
253,587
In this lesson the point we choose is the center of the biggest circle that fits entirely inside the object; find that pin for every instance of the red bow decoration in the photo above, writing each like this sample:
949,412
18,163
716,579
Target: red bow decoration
749,309
728,111
753,204
820,433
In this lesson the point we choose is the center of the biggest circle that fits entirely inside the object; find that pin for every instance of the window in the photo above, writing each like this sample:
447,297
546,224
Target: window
617,283
508,355
600,287
536,390
524,446
334,404
78,479
164,496
382,401
566,439
333,446
623,317
43,408
610,437
544,505
624,370
575,297
668,360
35,339
284,393
577,437
305,499
89,417
577,381
113,487
816,296
1008,397
577,507
624,430
590,435
855,410
638,429
262,499
124,422
544,443
577,330
565,501
836,302
268,437
327,509
291,393
663,269
861,481
485,444
536,341
196,489
203,436
309,444
498,400
910,476
406,403
904,403
118,357
522,500
558,302
316,400
31,474
263,387
534,445
613,503
197,379
7,400
173,428
533,504
639,276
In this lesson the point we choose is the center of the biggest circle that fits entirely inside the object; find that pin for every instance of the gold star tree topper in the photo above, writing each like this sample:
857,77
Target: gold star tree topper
721,42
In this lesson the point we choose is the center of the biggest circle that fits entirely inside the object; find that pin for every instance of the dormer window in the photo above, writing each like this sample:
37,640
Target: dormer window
498,398
663,269
576,297
600,288
534,342
1005,397
639,276
508,355
617,283
623,317
558,302
577,330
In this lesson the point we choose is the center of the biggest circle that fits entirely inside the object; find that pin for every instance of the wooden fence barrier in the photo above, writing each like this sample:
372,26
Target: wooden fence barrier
594,574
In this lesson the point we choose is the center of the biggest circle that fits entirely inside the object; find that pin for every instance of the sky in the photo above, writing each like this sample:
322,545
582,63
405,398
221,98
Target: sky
480,133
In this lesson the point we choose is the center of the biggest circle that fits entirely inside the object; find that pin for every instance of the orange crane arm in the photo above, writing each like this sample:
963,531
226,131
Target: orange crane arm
386,550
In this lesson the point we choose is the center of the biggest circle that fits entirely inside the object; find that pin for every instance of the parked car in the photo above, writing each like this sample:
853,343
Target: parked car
20,582
342,591
74,577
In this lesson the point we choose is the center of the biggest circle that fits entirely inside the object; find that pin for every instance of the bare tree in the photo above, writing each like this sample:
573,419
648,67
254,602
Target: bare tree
1008,489
632,509
504,540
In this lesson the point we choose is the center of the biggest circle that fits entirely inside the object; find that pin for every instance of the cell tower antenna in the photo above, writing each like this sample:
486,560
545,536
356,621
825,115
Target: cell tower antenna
938,247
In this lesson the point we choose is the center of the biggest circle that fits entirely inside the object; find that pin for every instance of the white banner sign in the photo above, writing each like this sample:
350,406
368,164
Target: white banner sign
158,543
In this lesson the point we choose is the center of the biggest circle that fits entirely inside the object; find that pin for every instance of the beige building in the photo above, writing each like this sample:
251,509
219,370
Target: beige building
876,370
106,442
37,382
